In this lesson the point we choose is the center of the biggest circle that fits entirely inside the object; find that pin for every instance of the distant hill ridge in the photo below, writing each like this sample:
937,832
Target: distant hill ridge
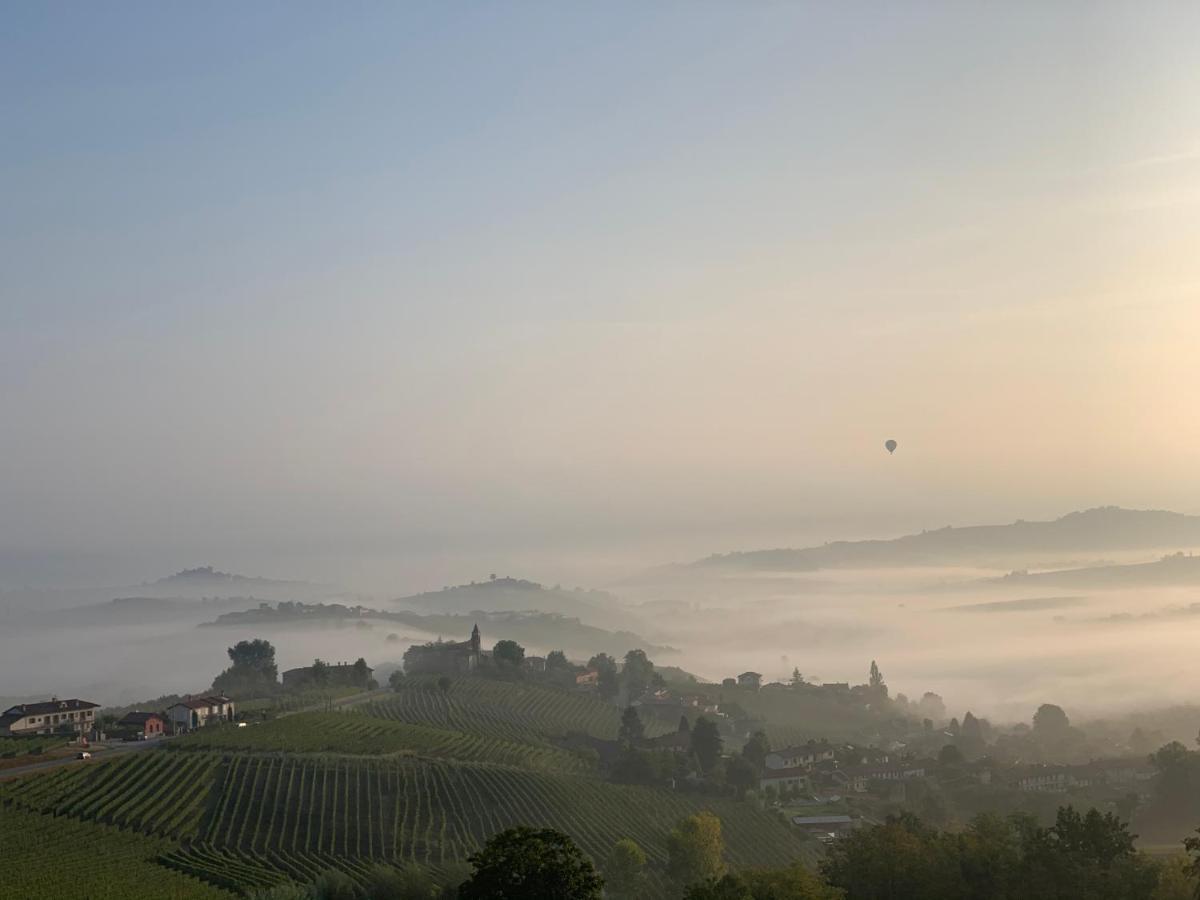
208,575
505,594
1099,529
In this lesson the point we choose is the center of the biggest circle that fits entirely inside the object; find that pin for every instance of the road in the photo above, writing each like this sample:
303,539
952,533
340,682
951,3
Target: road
98,755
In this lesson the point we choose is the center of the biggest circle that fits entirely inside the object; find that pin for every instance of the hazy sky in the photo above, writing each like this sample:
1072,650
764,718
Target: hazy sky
345,290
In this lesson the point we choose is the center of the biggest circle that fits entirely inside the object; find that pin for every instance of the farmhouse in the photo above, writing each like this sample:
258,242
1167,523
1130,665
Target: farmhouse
804,755
784,779
147,724
826,826
858,778
196,712
48,717
588,679
343,674
444,658
751,680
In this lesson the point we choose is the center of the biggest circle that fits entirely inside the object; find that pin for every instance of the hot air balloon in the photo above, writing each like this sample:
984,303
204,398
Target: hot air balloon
890,445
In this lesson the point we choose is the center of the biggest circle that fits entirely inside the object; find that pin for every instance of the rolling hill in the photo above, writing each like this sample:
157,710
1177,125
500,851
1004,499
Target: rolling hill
1102,529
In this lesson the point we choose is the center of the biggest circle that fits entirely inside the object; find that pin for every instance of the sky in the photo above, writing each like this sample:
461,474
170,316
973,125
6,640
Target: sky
390,294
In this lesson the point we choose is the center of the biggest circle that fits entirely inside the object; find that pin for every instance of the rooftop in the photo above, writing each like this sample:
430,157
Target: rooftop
45,707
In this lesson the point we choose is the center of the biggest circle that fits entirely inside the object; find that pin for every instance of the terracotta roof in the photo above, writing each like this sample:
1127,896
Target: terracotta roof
138,718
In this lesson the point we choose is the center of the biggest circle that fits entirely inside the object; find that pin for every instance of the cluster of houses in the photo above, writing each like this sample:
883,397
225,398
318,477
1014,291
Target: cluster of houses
78,718
464,657
1133,773
815,766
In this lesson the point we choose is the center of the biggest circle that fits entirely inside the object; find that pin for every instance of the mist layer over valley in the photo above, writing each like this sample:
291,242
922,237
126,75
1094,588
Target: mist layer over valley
1097,611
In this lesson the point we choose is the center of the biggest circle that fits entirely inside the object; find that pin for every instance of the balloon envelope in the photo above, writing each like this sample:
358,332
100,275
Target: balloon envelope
891,446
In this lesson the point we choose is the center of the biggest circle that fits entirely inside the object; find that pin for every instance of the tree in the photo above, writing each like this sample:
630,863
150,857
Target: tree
253,670
625,871
797,678
608,683
878,687
411,882
632,731
706,743
556,660
508,653
793,883
741,774
531,864
636,674
696,850
334,885
727,887
396,679
932,707
756,750
950,755
257,655
360,673
971,741
320,672
1050,721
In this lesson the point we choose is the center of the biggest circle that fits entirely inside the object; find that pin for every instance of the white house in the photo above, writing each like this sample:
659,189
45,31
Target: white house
196,712
48,717
784,779
804,755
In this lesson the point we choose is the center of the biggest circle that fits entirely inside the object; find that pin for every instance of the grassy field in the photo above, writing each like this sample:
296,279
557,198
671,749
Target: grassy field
48,858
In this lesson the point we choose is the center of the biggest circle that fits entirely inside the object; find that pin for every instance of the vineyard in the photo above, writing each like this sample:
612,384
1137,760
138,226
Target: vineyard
361,735
288,814
422,775
514,711
156,793
256,819
47,858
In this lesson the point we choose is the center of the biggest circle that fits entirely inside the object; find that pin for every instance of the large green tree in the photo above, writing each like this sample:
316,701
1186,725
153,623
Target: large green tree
609,680
531,864
508,653
253,671
625,871
756,749
706,743
696,849
632,731
637,674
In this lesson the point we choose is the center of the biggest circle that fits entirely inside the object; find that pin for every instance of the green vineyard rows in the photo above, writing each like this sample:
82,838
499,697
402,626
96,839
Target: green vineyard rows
433,813
153,792
47,858
516,711
357,734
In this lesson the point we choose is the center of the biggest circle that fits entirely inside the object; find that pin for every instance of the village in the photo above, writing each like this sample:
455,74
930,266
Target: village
685,735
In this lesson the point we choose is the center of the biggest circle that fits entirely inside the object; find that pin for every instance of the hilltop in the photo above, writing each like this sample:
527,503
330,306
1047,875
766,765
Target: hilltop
505,594
1107,528
1177,569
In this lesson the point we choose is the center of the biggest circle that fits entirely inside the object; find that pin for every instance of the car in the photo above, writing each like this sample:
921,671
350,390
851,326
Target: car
83,754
